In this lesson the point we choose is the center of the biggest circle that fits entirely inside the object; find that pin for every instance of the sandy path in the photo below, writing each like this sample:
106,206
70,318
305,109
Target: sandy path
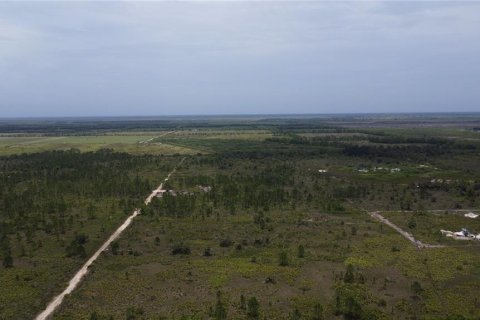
149,140
77,278
436,210
405,234
36,141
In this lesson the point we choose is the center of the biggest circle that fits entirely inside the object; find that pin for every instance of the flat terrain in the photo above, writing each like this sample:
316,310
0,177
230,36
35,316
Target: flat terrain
267,218
134,144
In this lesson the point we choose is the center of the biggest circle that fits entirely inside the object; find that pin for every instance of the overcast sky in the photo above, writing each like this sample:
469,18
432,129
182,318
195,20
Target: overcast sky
224,57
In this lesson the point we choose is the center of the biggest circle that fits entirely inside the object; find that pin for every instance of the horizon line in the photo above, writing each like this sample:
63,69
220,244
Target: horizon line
235,115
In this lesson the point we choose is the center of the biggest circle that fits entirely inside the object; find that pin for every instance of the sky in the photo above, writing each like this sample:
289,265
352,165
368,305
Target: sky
118,58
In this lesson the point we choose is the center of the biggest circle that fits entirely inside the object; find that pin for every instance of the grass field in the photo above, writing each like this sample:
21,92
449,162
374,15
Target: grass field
168,142
134,144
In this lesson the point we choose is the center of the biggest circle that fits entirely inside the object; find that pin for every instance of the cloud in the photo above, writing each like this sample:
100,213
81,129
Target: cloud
16,40
231,57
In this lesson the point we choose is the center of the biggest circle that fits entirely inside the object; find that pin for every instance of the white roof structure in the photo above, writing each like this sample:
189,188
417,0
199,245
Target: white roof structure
461,235
471,215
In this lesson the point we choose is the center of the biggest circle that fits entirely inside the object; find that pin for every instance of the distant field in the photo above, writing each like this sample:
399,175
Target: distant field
169,142
222,134
135,144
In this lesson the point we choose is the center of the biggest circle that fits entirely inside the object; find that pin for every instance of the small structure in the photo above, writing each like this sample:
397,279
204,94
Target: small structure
471,215
464,234
205,188
323,170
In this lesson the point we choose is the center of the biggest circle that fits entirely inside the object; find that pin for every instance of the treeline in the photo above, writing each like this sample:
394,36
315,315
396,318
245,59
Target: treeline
368,145
275,147
413,152
99,125
391,139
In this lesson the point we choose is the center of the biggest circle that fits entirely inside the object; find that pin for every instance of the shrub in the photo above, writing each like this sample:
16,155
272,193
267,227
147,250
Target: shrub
243,303
318,312
295,315
8,261
349,275
416,288
180,248
76,250
133,313
207,252
220,312
354,231
301,251
114,246
412,224
382,303
226,243
283,259
253,308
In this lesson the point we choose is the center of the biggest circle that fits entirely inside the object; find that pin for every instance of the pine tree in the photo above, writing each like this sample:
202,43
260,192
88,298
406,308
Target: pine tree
8,260
253,308
283,259
220,312
318,312
349,276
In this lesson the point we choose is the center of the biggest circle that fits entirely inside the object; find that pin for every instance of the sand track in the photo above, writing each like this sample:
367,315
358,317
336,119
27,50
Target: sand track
77,278
419,244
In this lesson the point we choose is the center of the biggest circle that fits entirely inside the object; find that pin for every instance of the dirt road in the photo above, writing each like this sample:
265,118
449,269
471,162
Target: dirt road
151,139
77,278
377,216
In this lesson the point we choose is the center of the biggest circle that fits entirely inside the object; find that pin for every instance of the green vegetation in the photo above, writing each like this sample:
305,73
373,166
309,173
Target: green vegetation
265,218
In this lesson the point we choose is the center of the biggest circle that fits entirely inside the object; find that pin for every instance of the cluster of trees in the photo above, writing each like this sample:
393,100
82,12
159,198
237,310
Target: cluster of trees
260,190
369,144
251,307
76,247
256,186
53,193
6,251
352,299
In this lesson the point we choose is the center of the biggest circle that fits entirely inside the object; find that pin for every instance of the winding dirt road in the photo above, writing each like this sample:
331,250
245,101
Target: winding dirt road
77,278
